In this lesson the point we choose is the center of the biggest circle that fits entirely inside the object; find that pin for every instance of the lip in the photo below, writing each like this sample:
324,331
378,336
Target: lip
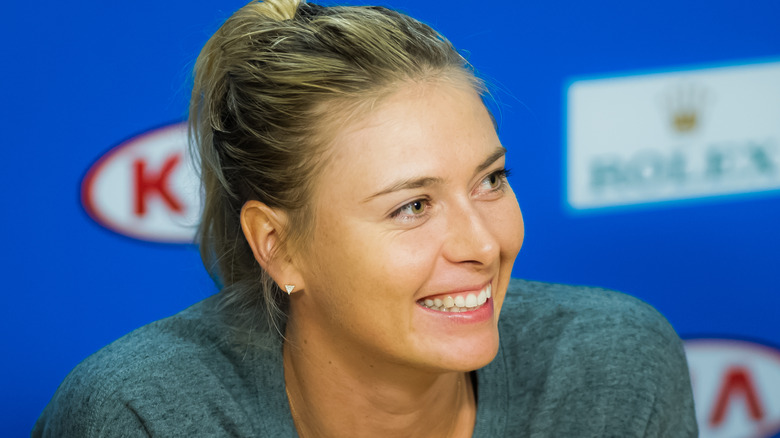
480,314
460,291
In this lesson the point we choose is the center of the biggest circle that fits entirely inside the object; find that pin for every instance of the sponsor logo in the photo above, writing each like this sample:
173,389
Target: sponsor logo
736,387
684,104
673,136
146,188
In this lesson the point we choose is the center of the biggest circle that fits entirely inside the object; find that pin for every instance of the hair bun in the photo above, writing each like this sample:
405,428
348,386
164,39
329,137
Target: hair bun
278,9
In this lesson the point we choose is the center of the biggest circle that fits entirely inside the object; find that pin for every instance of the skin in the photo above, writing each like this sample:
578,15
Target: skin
411,204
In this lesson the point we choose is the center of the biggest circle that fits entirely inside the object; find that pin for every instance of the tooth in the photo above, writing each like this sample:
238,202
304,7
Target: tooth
488,291
449,302
437,302
459,301
482,298
429,303
471,300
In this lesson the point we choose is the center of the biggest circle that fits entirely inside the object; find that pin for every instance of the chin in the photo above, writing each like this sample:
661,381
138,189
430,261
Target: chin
468,355
479,355
456,341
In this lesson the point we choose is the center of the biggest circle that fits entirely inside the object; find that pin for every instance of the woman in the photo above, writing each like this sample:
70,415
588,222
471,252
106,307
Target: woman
358,218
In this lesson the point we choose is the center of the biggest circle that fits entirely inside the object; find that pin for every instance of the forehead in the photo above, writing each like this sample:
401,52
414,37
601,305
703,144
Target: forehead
418,129
413,118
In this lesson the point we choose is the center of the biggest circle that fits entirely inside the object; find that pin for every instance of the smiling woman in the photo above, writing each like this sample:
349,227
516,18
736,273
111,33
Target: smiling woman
360,224
451,229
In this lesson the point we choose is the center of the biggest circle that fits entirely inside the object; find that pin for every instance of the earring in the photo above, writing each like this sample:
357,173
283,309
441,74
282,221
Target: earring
289,288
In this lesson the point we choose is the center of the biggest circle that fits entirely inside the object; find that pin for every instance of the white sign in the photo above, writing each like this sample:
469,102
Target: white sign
672,136
736,388
145,188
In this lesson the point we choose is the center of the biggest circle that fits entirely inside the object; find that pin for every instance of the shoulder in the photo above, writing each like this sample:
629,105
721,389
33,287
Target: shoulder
594,350
161,379
554,309
586,321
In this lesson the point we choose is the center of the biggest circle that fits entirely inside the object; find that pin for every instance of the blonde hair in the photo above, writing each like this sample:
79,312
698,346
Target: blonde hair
267,85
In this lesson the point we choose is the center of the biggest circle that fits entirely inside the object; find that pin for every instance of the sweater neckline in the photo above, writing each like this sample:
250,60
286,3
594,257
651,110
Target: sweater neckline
491,393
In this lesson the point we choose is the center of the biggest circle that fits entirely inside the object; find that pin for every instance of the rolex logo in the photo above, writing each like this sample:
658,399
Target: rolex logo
684,103
685,121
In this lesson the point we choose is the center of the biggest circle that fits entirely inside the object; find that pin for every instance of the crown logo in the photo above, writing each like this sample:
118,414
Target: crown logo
684,103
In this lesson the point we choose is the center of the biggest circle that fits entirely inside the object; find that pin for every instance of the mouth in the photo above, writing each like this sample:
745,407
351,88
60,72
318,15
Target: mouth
458,303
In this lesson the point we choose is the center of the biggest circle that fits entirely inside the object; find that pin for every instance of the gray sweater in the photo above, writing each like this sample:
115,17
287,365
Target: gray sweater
572,362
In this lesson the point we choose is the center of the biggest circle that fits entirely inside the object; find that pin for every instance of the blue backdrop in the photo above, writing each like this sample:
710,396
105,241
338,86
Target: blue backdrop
78,79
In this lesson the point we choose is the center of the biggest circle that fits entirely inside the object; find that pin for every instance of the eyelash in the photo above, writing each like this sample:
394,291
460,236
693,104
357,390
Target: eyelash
501,174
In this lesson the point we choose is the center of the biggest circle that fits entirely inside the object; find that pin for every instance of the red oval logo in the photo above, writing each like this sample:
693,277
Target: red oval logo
736,387
146,188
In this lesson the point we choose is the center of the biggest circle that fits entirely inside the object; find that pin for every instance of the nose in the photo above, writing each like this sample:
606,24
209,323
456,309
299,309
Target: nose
470,237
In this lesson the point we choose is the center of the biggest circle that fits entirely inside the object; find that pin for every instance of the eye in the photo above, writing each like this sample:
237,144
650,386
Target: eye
416,207
495,181
411,210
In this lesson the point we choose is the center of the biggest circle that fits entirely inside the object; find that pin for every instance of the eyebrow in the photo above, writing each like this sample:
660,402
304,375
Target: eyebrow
416,183
495,156
406,184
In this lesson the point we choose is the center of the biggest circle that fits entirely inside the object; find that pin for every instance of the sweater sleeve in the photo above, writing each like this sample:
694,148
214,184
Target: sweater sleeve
634,370
80,408
672,413
593,362
174,377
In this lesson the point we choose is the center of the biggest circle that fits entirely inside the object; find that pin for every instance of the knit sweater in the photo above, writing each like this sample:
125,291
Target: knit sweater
572,362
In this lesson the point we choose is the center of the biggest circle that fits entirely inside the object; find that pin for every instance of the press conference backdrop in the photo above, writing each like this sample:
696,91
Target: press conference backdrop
644,143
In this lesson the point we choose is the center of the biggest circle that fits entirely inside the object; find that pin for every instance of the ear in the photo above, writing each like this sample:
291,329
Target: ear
262,226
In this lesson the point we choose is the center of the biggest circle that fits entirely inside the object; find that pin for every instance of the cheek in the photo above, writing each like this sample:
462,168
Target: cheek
356,259
506,221
517,228
409,257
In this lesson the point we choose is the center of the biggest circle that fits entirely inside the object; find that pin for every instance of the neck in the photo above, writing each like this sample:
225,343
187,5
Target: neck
332,393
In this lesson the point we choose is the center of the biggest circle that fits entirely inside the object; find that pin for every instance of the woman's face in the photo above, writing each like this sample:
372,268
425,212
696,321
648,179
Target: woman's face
412,215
